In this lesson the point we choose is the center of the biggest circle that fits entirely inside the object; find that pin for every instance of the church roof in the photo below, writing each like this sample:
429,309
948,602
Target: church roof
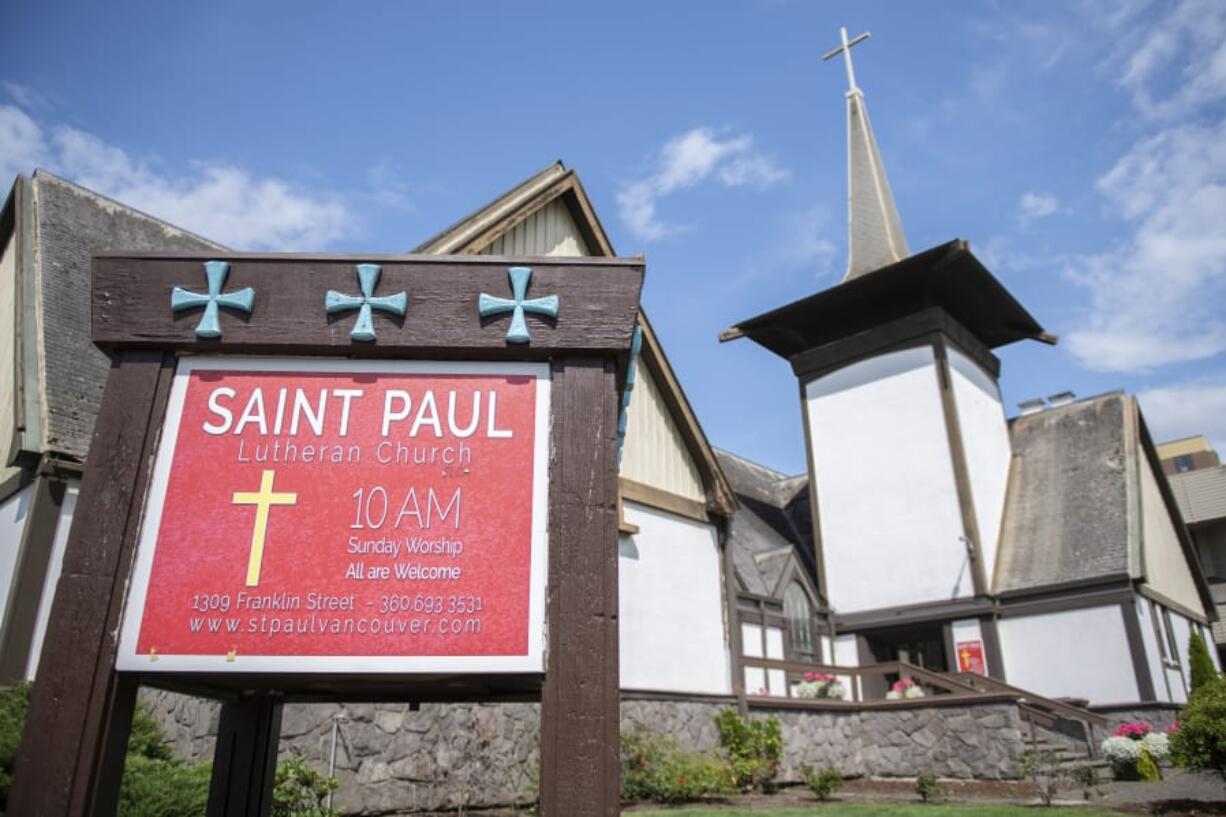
948,276
771,527
1073,510
59,225
1067,508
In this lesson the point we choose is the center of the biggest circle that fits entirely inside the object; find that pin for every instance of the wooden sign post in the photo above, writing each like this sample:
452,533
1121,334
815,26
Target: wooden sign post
327,478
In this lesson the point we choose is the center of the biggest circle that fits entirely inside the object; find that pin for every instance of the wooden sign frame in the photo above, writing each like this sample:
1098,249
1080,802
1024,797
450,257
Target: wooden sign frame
70,760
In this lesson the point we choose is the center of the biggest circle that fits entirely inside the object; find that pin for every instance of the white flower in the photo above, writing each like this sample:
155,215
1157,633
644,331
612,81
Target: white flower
835,691
913,692
1158,744
807,689
1121,750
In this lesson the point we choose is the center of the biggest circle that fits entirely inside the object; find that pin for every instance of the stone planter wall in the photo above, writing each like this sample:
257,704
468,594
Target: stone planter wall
1159,714
446,756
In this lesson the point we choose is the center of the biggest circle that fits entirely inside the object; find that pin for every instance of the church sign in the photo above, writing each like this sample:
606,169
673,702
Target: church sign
324,478
345,516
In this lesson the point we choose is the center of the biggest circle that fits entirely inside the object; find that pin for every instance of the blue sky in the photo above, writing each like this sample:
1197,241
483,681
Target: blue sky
1079,146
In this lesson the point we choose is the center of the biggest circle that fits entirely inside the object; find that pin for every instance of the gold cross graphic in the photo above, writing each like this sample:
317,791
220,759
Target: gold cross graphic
263,500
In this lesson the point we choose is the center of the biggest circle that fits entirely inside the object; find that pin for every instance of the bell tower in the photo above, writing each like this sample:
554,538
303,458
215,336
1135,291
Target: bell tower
907,443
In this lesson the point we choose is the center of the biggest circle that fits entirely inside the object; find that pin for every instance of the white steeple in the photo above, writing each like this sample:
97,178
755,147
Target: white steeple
874,231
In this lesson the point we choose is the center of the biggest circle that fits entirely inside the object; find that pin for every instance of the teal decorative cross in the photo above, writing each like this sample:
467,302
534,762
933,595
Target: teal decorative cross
368,278
216,273
488,305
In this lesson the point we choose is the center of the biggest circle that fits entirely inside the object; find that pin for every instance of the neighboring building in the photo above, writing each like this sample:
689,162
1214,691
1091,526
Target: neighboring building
1188,454
1198,482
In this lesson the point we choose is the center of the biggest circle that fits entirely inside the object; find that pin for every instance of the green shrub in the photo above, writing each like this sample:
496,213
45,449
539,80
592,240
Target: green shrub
13,704
929,788
1200,663
822,782
754,748
654,768
1200,742
300,791
163,788
147,738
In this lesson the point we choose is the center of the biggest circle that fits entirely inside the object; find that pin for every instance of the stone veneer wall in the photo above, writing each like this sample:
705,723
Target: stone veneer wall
444,756
1160,715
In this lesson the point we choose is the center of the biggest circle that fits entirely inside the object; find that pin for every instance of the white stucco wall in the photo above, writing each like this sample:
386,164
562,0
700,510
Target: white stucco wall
54,565
1075,653
1153,655
13,513
1166,567
672,613
985,439
844,653
885,484
1183,632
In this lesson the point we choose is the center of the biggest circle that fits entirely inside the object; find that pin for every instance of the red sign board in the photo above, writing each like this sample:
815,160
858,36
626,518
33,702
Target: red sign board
970,657
345,516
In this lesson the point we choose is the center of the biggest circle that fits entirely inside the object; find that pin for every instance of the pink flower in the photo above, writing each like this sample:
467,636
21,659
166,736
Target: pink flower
810,676
902,685
1135,730
1172,729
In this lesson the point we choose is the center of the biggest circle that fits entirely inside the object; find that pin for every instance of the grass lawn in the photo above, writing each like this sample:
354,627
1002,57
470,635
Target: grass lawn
876,810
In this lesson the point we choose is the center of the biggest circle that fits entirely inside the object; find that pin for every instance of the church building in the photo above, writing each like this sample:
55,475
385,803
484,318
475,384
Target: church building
1039,563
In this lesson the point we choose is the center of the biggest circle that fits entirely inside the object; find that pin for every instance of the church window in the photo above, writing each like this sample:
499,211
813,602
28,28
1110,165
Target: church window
799,615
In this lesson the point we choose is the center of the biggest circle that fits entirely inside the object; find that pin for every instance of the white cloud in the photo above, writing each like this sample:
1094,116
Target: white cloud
1032,206
22,146
1187,409
1157,296
684,162
219,201
1175,62
23,95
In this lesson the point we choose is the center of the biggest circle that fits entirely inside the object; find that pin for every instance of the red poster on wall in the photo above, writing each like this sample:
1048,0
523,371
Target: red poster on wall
345,516
970,657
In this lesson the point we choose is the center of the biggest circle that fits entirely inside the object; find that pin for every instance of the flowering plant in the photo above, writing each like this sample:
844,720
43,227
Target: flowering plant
1134,751
820,685
1172,728
904,688
1133,730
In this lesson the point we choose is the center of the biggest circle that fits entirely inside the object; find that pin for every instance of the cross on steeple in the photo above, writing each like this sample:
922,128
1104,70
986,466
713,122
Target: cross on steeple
489,305
845,50
368,278
215,272
874,230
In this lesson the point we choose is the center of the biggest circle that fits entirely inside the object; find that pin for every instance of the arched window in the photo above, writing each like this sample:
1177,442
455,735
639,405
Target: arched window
799,614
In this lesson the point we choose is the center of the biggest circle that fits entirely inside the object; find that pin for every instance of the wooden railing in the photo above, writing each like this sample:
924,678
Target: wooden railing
1057,708
869,685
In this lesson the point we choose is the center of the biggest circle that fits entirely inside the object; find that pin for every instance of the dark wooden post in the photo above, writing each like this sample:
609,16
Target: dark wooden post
245,758
580,702
80,709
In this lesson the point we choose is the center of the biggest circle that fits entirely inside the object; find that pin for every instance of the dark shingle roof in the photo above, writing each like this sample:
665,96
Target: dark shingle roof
771,524
1066,512
74,223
